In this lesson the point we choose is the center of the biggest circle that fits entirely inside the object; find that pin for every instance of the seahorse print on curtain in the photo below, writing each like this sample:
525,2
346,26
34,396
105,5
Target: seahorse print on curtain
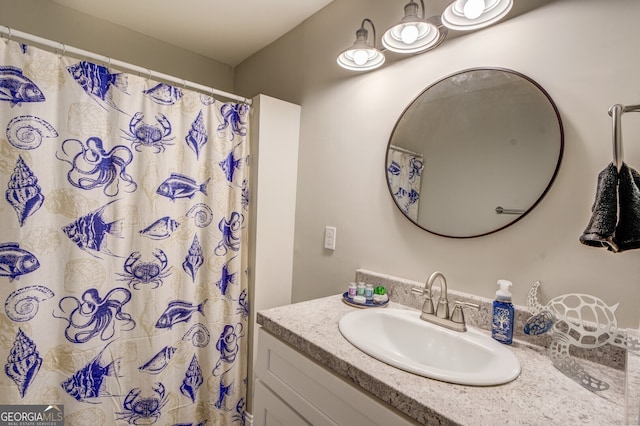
123,245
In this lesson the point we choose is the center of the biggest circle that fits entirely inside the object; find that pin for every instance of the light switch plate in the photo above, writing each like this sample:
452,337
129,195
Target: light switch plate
330,237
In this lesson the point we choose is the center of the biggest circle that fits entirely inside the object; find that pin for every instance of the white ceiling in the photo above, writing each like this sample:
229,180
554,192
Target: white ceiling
228,31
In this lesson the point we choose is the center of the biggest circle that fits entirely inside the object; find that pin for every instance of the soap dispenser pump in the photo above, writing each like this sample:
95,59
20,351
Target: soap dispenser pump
503,314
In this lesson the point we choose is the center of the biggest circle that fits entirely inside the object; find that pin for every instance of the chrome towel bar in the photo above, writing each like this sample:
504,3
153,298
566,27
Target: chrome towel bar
616,112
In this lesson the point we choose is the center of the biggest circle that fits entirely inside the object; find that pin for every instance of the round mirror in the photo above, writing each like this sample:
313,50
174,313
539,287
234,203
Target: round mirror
474,152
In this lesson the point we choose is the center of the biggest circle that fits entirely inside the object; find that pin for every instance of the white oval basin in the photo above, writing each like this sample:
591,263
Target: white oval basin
400,338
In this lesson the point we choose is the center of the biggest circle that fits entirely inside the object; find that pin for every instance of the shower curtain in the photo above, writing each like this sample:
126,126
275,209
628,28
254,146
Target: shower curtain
404,173
123,247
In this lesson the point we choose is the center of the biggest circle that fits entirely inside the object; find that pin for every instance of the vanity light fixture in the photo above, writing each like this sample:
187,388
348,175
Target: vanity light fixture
362,56
414,33
465,15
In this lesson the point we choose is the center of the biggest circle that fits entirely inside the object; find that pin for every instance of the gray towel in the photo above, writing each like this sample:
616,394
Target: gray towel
601,229
627,234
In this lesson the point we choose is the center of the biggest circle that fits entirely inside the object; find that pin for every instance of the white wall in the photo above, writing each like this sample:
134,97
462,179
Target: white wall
52,21
583,52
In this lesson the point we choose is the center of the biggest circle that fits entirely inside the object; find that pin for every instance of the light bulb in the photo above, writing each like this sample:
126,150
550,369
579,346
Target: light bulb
360,57
473,8
409,34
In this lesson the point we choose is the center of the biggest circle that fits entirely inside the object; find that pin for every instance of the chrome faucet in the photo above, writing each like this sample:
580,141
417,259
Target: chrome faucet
440,315
442,311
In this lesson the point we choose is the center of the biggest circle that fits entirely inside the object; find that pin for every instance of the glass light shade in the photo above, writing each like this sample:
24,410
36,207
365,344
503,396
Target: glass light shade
462,15
412,34
362,56
473,8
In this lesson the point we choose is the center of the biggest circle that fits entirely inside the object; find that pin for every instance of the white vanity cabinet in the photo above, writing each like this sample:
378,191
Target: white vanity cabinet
291,389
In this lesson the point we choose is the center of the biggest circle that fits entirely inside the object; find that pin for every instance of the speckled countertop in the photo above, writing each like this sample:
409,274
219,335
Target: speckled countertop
540,396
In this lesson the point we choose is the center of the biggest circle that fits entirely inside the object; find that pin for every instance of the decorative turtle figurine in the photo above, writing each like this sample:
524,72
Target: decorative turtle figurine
580,320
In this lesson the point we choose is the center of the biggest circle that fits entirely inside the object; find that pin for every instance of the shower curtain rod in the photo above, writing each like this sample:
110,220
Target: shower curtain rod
124,66
406,151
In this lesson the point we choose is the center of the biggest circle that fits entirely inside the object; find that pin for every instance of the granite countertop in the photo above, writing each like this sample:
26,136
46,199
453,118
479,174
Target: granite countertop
542,395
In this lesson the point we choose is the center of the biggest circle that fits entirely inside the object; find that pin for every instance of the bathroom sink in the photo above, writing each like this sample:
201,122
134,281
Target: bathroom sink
400,338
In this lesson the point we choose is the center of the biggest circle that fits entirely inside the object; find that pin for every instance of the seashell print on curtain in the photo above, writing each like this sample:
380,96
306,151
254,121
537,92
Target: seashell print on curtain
123,245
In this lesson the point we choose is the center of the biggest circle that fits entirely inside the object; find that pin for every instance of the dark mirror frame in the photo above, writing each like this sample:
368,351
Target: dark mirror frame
521,214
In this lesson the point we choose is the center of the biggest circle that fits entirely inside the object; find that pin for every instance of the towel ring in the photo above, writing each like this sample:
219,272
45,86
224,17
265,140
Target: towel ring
616,112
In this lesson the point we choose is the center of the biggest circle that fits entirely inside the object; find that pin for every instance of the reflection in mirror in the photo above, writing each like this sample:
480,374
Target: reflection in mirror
474,152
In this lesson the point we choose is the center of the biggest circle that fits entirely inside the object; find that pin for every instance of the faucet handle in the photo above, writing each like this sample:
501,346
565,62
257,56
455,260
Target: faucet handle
427,306
457,315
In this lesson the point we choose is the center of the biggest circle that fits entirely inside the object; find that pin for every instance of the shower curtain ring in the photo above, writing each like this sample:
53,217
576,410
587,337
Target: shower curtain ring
64,50
9,35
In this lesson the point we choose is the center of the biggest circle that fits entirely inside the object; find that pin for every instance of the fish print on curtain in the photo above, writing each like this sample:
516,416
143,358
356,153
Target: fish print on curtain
123,245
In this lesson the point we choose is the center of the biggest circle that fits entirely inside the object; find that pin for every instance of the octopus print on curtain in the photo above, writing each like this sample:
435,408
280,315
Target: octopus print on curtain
123,245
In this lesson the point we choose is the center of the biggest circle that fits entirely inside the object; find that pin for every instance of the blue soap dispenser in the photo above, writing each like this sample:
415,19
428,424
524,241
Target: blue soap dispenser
503,314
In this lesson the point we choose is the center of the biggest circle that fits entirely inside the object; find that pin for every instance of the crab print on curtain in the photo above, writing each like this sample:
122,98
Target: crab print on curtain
123,249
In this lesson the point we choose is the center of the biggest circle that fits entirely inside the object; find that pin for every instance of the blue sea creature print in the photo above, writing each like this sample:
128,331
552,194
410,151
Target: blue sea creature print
149,135
93,167
229,165
94,316
163,94
207,100
226,278
23,362
410,197
224,392
160,229
228,346
202,215
152,273
89,232
243,304
181,186
159,361
416,166
27,131
23,192
194,259
230,234
197,136
193,379
240,415
198,334
16,88
15,262
22,304
394,168
232,118
89,381
139,410
97,81
179,311
244,200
